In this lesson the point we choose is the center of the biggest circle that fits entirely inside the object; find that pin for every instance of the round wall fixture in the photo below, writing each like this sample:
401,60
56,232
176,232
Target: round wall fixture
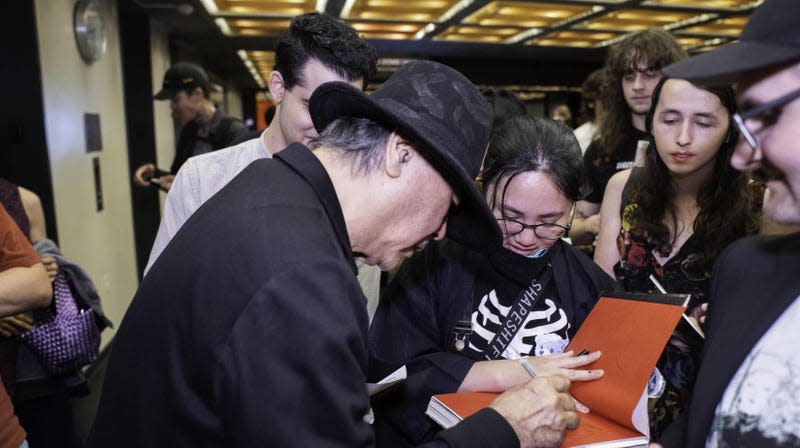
90,30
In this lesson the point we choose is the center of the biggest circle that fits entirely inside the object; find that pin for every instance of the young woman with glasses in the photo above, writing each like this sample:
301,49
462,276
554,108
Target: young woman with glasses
671,219
461,320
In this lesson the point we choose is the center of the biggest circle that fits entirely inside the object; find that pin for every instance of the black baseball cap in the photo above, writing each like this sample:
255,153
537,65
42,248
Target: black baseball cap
770,39
182,76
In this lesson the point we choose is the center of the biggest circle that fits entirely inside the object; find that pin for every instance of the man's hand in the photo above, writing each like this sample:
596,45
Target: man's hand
143,174
51,267
539,411
14,325
164,182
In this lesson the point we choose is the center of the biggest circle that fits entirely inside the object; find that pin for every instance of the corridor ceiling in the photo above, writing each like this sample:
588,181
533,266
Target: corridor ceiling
473,35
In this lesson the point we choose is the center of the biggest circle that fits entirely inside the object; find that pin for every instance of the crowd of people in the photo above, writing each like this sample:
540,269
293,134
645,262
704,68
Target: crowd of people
253,324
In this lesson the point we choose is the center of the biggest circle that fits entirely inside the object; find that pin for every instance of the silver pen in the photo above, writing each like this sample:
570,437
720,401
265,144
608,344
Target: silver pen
527,366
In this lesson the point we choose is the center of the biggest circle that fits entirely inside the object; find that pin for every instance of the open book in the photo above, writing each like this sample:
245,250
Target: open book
631,330
390,380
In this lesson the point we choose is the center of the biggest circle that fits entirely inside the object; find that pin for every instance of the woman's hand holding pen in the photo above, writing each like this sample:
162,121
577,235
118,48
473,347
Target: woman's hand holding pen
500,375
566,364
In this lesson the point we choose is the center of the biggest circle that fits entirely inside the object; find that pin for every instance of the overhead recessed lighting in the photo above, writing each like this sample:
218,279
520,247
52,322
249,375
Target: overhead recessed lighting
210,5
223,26
348,6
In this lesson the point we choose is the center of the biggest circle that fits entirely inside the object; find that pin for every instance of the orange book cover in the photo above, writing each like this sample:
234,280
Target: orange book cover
631,330
449,409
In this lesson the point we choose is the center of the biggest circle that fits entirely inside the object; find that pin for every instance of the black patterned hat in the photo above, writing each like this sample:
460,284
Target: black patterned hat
770,38
430,103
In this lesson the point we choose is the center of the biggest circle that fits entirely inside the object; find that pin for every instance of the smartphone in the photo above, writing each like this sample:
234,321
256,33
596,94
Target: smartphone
156,176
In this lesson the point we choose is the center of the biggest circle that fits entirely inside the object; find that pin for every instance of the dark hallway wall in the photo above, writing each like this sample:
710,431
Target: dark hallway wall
23,146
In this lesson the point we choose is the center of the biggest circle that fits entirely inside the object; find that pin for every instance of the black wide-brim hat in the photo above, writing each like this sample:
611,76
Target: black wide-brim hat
770,38
432,104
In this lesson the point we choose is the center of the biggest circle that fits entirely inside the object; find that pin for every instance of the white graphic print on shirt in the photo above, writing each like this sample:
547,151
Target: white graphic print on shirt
542,331
761,405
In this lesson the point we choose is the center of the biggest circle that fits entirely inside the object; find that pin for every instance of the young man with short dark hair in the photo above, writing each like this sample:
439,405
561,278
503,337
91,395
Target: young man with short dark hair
316,48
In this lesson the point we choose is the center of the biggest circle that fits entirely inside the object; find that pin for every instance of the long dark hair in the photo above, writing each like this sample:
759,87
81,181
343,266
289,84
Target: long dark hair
726,203
654,46
534,144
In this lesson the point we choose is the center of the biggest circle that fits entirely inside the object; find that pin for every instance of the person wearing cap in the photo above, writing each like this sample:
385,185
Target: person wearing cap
250,329
633,69
746,392
205,128
316,48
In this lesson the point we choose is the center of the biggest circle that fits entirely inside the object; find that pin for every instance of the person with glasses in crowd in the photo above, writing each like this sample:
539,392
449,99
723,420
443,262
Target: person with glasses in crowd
464,319
632,70
746,392
668,221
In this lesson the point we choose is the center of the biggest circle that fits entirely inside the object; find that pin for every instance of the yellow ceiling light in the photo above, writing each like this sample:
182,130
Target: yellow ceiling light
398,10
285,8
706,4
524,13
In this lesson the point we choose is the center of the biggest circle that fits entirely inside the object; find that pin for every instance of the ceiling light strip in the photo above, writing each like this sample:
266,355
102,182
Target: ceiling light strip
210,6
555,26
523,35
691,21
608,42
223,26
708,43
569,20
348,6
251,68
457,8
429,28
425,31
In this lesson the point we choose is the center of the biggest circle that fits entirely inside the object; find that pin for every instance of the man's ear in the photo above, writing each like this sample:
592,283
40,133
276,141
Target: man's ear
398,154
276,86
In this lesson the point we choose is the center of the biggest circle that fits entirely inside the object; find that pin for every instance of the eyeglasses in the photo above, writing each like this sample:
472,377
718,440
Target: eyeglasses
765,114
542,231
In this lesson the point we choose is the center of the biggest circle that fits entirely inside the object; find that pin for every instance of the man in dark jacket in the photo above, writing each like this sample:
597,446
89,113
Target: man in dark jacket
205,128
250,329
746,392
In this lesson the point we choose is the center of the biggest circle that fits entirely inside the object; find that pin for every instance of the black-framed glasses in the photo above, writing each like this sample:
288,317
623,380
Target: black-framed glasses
759,112
543,231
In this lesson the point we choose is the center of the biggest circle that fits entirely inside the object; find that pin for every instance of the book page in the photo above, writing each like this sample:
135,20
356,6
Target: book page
597,431
389,381
640,419
631,334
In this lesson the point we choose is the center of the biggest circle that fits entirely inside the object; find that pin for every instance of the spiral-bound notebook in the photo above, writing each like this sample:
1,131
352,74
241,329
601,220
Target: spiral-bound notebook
631,330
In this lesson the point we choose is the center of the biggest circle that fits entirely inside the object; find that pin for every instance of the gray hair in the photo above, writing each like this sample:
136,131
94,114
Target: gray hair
358,140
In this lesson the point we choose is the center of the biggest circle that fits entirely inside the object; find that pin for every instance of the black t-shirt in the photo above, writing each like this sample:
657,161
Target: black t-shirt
600,167
543,330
